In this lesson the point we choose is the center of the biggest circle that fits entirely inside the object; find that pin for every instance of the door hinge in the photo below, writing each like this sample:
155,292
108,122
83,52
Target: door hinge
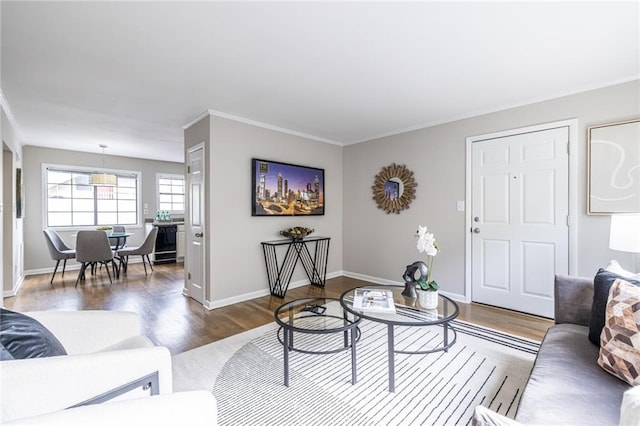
188,169
568,148
568,220
188,275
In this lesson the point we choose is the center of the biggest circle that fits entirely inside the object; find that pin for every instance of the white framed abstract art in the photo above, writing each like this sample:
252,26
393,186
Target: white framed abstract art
614,168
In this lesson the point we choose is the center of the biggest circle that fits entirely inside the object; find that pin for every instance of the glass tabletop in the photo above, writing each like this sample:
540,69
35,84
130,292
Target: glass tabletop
407,310
316,315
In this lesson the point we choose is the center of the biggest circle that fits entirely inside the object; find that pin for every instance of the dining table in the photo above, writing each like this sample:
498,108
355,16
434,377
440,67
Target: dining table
121,239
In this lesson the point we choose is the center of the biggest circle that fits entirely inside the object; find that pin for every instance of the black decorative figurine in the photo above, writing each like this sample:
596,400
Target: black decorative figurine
409,277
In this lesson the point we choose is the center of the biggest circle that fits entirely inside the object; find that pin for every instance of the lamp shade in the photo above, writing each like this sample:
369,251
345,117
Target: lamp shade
103,179
625,233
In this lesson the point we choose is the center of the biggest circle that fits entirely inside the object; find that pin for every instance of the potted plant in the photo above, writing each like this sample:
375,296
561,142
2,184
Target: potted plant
427,287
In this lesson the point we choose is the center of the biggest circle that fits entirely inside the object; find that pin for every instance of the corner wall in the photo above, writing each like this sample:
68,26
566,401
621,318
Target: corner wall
379,246
11,249
237,262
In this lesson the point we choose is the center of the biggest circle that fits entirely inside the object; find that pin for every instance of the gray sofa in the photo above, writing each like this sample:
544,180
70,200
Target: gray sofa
566,385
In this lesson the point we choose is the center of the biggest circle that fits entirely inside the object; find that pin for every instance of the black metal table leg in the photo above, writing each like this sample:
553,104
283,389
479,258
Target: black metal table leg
391,353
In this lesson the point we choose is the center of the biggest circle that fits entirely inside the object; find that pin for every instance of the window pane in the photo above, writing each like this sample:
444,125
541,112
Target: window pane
82,205
126,182
171,194
71,200
59,205
59,177
127,218
83,191
58,219
107,206
127,193
82,219
127,205
110,218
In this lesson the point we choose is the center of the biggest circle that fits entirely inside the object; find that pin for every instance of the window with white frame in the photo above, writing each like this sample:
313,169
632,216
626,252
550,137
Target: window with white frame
170,192
71,201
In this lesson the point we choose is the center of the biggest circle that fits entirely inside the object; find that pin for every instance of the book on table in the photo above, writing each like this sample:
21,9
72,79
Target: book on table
373,300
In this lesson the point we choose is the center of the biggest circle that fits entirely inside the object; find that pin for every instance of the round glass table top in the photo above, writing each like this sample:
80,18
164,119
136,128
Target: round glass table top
407,310
315,315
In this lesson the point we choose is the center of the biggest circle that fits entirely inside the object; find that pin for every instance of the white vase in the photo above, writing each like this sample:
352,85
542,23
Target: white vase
428,299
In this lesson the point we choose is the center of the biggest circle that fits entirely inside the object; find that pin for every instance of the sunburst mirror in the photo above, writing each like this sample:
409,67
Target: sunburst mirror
394,188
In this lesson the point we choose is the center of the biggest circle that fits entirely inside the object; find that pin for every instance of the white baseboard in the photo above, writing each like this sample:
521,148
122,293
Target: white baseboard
209,304
16,287
70,267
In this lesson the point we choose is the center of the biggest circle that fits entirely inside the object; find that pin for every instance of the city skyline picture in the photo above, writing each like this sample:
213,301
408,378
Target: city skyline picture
282,189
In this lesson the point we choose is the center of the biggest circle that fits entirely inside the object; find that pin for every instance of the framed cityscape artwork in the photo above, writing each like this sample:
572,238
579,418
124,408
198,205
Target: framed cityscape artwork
282,189
614,168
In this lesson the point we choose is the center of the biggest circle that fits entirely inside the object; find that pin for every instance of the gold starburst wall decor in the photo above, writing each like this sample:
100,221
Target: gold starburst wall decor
394,188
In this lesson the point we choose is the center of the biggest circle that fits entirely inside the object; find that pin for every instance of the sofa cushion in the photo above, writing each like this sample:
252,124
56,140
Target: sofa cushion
567,383
620,340
601,285
24,337
615,267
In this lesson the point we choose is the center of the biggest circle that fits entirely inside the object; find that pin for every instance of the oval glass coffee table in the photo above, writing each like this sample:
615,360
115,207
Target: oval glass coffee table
317,322
409,313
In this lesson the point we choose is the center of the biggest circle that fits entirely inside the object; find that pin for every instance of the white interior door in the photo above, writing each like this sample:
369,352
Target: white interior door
195,225
520,207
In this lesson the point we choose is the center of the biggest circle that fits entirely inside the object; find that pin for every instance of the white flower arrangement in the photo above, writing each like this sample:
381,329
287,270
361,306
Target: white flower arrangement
427,244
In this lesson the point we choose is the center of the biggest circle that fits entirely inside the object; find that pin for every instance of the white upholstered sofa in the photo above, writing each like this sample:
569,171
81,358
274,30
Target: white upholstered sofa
105,351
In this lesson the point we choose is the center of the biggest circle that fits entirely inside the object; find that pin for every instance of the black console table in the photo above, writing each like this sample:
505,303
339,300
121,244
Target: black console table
314,265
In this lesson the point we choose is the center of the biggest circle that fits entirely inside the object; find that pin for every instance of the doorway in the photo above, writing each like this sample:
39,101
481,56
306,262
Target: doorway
195,224
520,194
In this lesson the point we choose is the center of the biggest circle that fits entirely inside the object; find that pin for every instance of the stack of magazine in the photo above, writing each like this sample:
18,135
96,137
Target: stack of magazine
373,300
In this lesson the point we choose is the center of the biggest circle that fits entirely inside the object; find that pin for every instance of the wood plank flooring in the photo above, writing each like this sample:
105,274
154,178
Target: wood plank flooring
179,323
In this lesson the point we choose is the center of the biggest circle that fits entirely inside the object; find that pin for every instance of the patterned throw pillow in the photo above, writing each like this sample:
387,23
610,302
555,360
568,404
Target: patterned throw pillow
601,288
620,338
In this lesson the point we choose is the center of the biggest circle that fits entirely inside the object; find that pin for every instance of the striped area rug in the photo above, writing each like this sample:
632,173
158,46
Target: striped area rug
484,367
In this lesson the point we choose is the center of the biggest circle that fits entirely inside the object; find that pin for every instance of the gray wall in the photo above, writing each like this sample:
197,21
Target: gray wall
36,254
236,258
378,245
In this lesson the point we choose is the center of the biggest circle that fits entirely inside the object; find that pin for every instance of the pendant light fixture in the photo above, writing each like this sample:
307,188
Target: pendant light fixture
103,179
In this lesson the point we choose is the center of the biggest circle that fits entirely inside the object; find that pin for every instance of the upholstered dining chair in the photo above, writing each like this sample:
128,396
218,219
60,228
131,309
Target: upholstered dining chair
92,247
58,250
118,229
144,250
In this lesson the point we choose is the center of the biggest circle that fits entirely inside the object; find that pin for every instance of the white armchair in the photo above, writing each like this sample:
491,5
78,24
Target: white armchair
105,351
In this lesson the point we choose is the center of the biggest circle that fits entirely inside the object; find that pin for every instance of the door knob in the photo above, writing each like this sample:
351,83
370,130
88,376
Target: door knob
476,230
199,234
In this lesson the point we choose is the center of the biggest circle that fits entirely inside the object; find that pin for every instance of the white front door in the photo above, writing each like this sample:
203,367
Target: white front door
519,215
195,225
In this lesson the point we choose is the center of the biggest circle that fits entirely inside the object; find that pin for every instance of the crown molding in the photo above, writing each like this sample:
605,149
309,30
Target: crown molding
479,113
214,113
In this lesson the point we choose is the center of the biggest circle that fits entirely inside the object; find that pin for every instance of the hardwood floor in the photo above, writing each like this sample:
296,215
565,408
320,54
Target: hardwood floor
179,323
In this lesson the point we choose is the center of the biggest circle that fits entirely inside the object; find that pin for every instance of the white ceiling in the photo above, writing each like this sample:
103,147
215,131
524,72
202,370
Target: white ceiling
131,75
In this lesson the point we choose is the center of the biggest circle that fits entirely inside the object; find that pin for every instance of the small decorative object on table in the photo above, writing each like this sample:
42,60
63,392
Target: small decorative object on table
107,229
428,291
297,232
373,300
409,277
